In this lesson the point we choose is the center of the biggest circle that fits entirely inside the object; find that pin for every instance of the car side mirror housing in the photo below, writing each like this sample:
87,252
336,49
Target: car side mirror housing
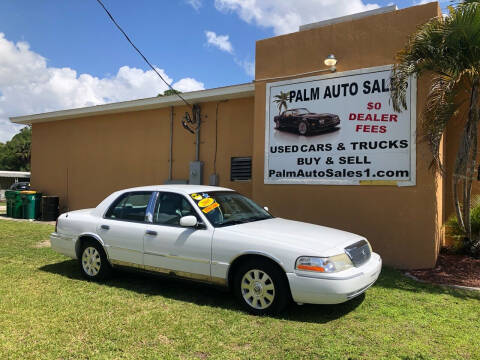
188,221
265,208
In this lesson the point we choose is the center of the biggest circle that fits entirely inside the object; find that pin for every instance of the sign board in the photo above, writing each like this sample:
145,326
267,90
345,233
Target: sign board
339,129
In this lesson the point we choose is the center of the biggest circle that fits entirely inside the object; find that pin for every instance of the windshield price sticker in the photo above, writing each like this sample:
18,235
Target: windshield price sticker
339,130
205,202
210,208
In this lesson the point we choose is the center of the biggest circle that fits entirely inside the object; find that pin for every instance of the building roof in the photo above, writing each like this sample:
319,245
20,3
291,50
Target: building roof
185,188
351,17
15,174
158,102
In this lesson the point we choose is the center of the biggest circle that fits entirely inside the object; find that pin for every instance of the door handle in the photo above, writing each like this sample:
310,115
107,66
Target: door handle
105,227
151,232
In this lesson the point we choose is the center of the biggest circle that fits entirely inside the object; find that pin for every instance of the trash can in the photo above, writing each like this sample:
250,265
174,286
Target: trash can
30,204
16,205
10,197
49,208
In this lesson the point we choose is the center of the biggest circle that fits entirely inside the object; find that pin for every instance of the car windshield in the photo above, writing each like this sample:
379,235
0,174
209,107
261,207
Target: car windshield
301,111
224,208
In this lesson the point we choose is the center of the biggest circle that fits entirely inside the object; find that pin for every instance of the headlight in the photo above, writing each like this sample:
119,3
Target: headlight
324,264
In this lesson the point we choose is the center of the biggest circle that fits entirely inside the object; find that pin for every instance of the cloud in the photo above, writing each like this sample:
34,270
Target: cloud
221,42
29,86
248,66
196,4
188,84
286,16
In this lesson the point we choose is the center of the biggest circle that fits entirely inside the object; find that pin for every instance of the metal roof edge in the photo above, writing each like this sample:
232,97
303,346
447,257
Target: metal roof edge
221,93
381,10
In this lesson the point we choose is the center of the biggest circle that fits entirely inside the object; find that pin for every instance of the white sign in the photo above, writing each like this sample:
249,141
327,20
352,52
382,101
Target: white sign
339,129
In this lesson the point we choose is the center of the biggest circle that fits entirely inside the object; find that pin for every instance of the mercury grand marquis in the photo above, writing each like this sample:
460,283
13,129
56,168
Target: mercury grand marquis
216,235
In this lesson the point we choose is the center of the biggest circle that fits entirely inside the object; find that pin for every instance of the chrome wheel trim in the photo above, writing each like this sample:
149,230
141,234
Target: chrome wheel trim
91,261
257,289
302,128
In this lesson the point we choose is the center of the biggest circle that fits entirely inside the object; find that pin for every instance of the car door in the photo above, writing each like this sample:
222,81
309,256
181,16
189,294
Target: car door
284,118
169,247
123,228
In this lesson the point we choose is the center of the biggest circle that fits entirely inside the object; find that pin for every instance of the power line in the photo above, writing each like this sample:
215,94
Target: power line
140,53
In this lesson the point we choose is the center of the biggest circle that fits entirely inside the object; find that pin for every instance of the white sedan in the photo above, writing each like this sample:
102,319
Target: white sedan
218,236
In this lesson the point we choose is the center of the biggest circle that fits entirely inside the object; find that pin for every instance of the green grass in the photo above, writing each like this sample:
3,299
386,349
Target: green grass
48,312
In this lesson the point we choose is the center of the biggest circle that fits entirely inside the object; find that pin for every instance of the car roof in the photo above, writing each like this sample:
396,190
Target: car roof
185,189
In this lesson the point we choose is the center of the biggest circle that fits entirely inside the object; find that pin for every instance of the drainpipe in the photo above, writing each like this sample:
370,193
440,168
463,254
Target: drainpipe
198,121
171,145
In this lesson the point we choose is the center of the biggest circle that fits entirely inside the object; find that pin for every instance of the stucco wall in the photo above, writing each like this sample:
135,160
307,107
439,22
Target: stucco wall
401,223
83,160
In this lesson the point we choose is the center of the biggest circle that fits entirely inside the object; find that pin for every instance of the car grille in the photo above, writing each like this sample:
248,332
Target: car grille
359,253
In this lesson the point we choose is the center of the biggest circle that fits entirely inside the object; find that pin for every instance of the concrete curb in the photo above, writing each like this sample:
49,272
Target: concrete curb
460,287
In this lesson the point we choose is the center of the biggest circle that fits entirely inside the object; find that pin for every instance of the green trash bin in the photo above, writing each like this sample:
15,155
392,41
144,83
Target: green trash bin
30,204
16,206
10,197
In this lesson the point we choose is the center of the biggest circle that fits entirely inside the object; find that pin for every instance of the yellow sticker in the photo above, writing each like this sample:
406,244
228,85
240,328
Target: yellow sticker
205,202
196,197
378,182
210,208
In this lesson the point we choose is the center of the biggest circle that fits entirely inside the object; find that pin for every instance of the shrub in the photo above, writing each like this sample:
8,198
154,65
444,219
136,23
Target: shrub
462,244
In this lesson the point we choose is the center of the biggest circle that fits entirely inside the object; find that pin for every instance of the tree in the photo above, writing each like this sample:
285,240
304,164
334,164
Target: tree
281,101
448,48
15,154
170,92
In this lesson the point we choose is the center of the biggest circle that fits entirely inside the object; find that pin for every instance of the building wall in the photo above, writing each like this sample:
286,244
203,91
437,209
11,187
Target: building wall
83,160
402,223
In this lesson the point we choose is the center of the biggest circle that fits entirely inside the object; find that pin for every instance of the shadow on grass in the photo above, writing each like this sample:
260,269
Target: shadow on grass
202,294
394,279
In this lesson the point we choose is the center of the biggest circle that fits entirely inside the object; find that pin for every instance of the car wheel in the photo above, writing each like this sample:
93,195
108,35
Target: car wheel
261,288
303,128
94,264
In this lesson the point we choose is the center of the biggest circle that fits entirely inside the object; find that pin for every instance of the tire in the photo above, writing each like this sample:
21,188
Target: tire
261,287
93,262
303,128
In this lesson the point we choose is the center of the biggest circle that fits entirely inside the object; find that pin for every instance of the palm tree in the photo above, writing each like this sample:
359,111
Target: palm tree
448,48
281,100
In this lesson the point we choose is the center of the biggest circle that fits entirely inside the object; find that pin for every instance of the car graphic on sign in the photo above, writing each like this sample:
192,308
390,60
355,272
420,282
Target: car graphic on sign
304,121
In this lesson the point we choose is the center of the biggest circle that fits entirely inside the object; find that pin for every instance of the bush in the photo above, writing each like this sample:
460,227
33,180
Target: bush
463,244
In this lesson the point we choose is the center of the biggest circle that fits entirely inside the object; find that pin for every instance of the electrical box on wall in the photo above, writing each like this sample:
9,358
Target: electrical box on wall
213,181
196,172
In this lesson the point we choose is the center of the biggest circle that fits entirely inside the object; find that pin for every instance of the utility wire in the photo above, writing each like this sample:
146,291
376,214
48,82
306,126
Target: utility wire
140,53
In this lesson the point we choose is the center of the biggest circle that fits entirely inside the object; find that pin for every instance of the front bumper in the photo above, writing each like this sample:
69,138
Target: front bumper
337,287
328,124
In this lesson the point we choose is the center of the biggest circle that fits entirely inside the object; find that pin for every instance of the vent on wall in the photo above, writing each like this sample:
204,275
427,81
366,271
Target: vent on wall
241,168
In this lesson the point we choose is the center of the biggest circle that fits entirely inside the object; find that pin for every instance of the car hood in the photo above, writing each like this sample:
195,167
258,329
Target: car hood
296,234
318,116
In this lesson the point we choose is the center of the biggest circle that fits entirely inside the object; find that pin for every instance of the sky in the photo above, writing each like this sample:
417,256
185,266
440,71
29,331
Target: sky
63,54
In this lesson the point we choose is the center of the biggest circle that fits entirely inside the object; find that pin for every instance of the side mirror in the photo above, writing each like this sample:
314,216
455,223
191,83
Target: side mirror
188,221
265,208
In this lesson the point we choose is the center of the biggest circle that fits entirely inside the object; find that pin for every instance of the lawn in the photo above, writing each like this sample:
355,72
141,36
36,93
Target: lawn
48,312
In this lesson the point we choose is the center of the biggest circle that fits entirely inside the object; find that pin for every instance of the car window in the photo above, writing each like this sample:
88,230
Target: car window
130,207
288,113
170,207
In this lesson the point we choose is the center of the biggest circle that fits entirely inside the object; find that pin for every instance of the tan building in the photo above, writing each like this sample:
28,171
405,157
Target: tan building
82,155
